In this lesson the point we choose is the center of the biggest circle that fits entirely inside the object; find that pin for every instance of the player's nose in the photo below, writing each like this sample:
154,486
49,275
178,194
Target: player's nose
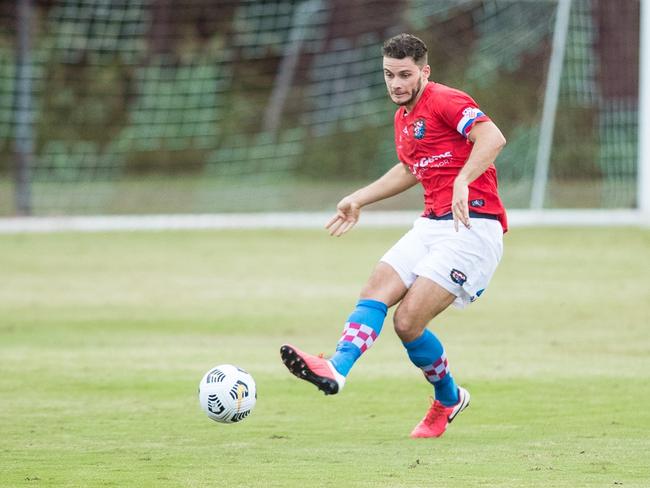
395,86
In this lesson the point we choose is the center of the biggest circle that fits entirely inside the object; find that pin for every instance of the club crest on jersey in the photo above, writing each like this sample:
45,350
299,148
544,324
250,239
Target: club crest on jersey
458,277
419,128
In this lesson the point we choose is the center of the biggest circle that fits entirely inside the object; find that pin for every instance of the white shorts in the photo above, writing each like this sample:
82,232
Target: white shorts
461,262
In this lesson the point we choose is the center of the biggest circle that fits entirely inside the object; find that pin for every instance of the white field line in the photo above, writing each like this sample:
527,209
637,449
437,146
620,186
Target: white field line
302,220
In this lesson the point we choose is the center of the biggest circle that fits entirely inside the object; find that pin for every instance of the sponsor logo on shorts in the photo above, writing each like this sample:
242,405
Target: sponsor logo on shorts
478,294
477,203
458,277
419,128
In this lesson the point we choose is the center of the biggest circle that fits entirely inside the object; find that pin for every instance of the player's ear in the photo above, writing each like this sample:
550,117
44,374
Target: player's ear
426,71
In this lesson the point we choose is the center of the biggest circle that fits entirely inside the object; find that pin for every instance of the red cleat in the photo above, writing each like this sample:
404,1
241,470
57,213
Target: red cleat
315,369
438,417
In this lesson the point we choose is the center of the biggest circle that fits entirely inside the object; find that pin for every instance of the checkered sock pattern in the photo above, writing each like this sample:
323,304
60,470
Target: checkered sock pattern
427,353
359,334
437,371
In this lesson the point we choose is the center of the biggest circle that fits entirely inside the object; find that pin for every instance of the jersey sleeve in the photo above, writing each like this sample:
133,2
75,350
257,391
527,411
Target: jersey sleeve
460,112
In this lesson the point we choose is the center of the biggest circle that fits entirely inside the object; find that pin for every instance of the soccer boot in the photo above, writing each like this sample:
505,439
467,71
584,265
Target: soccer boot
315,369
438,417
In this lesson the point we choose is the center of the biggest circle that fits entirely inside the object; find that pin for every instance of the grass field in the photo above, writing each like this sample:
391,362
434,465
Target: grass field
280,193
104,337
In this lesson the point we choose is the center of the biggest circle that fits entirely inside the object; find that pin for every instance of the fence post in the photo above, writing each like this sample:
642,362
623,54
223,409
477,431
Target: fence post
24,139
302,18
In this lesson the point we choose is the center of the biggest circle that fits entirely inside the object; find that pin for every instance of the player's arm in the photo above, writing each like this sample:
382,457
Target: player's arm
394,181
488,142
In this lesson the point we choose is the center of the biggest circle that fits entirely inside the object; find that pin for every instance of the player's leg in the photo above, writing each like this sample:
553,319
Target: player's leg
423,302
383,289
386,286
457,271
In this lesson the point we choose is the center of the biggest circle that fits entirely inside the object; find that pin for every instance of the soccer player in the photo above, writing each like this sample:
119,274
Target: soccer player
445,142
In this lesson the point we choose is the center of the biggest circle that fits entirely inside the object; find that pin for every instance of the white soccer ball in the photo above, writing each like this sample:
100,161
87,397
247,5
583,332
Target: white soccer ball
227,393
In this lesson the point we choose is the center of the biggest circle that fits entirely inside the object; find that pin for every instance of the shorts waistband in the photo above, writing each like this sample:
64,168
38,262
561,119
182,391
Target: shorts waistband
450,216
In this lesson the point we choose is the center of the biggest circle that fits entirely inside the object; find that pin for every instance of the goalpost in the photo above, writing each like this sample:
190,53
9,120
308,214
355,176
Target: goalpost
140,114
551,96
643,190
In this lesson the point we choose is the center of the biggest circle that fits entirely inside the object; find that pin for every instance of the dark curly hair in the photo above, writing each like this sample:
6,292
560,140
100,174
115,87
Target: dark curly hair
406,45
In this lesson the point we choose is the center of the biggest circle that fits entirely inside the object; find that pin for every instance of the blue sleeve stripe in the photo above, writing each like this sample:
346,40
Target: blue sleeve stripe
467,121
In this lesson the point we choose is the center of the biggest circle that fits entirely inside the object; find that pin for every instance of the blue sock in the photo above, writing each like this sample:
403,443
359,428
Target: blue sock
360,332
427,353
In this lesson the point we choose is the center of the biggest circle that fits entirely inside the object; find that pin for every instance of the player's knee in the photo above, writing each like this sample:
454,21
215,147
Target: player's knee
405,327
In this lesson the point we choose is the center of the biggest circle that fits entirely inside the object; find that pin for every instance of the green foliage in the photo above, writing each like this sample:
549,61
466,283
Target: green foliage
344,155
128,91
575,144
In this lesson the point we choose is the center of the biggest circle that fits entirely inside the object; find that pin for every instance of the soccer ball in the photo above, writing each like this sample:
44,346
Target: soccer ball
227,394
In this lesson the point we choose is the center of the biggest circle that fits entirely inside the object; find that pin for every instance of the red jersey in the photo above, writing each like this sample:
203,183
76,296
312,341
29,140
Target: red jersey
432,141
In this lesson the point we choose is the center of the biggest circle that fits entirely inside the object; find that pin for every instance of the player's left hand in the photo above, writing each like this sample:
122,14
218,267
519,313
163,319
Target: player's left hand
459,205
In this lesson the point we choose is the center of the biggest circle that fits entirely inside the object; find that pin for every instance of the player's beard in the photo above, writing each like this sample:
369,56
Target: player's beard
414,95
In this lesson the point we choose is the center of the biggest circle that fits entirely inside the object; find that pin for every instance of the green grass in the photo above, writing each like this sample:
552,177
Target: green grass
104,337
192,194
279,193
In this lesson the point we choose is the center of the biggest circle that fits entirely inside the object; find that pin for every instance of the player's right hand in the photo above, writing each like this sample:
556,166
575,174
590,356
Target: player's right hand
347,215
459,205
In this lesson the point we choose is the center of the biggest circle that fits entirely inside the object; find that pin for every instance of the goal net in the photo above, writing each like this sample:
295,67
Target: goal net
195,106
